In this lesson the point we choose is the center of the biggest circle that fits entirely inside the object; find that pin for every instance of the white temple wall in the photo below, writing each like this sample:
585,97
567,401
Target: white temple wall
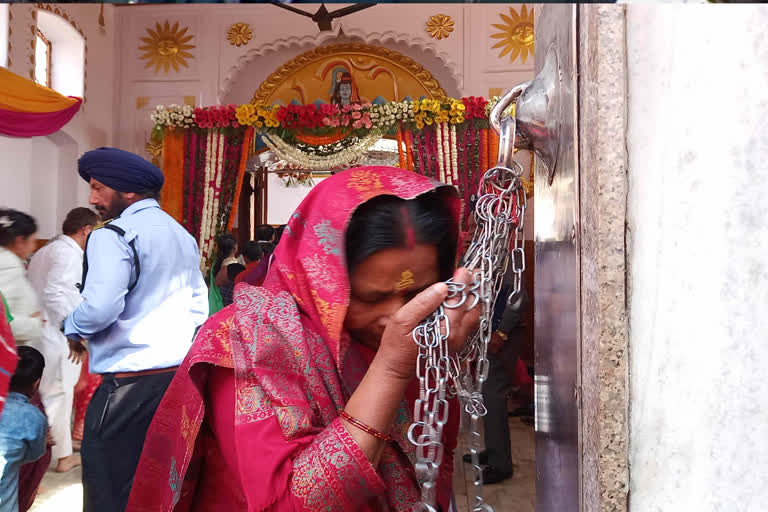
39,174
698,240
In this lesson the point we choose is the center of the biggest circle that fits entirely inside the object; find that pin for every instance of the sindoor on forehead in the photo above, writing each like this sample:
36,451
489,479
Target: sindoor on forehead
557,269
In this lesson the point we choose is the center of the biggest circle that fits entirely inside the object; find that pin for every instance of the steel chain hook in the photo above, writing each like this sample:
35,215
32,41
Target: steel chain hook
498,238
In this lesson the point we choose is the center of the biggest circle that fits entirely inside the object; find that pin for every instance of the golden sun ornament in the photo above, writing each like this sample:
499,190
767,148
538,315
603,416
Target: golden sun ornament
440,26
239,34
166,47
516,34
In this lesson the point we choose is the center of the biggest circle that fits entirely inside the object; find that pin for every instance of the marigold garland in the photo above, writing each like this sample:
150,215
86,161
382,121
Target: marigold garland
399,137
241,172
483,149
493,146
319,140
173,168
291,154
409,150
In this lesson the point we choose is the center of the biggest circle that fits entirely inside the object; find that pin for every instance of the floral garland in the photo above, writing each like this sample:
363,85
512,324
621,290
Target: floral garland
324,118
291,154
454,154
297,179
440,159
204,223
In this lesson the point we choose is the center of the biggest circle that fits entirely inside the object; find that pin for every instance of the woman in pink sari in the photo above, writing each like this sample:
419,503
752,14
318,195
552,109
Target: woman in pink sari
298,397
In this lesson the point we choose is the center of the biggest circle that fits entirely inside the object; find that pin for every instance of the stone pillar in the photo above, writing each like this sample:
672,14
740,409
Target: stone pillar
603,196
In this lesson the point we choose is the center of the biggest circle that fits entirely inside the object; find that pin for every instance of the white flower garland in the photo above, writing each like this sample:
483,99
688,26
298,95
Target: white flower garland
213,204
181,116
206,199
440,163
447,153
313,162
216,190
387,114
454,154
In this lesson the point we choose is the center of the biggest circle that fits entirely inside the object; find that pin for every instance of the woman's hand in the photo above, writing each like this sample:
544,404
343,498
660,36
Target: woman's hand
398,351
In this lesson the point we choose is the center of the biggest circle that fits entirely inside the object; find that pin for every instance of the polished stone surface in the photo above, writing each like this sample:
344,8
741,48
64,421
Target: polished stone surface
698,215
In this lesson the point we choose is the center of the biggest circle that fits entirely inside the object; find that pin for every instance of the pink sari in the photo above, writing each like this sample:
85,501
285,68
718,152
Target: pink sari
250,422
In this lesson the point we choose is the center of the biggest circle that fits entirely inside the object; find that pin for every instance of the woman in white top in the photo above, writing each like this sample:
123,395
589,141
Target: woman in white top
18,234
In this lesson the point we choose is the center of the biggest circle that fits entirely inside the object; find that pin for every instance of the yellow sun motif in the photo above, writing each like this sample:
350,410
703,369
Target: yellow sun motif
166,46
516,34
239,34
440,26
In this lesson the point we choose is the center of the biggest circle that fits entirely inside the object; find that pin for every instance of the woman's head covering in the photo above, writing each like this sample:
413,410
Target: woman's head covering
310,260
285,341
120,170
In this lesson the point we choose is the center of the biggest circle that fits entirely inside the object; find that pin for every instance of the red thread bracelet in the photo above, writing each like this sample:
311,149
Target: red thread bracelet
362,426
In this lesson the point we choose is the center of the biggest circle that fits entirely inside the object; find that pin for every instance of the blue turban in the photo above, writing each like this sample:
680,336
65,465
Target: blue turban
120,170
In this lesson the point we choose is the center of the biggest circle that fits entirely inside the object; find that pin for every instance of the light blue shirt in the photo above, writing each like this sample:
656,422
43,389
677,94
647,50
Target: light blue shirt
152,326
22,440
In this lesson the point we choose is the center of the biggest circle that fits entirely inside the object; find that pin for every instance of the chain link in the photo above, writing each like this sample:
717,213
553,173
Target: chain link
497,241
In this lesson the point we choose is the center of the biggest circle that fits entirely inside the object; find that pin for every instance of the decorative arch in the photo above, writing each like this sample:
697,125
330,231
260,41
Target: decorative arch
281,50
377,71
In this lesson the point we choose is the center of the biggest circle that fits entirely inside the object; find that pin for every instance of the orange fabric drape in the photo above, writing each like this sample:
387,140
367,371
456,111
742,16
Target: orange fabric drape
173,168
22,95
240,174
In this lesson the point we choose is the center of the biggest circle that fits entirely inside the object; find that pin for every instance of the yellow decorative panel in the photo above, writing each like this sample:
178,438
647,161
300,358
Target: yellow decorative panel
166,46
141,102
495,91
349,72
516,34
190,100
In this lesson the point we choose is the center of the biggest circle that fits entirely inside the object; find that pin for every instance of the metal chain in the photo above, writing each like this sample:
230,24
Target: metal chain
499,216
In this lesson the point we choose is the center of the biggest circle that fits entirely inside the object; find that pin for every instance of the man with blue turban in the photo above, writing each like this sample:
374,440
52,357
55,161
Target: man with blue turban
143,299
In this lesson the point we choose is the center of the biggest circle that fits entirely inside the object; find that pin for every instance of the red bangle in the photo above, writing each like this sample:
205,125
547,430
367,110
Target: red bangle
362,426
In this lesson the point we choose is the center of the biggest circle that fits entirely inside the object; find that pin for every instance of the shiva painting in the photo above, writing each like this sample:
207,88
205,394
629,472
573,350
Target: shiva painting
348,73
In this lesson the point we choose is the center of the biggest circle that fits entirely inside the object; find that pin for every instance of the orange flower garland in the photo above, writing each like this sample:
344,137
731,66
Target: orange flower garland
409,150
173,168
241,172
401,156
493,147
320,140
483,150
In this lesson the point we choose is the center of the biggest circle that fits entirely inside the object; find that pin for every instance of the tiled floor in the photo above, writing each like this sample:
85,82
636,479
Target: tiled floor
518,494
64,492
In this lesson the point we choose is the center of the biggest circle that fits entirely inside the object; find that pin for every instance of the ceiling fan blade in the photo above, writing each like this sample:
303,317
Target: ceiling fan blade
350,9
292,9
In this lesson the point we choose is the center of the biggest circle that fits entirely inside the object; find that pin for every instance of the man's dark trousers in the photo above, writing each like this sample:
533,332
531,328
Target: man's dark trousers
116,424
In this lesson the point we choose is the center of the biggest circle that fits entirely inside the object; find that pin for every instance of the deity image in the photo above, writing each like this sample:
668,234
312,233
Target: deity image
344,89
